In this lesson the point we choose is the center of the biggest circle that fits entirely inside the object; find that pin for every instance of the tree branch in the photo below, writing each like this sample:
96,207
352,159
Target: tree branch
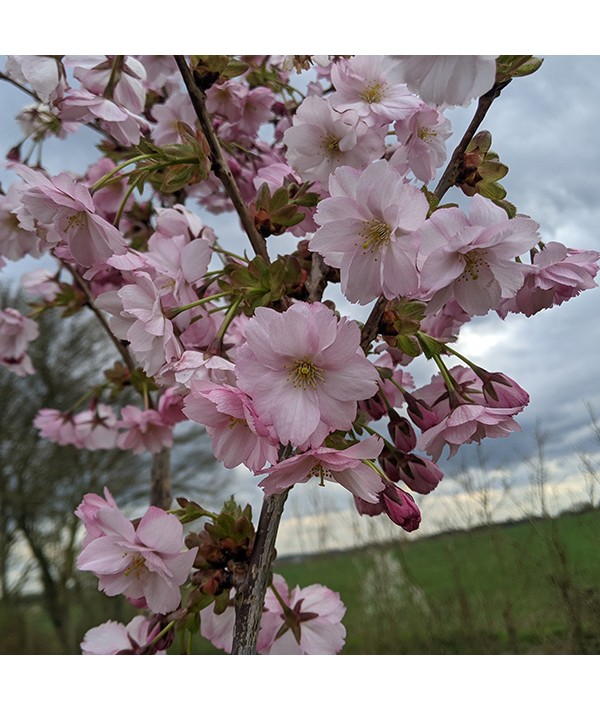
219,162
250,596
123,350
450,174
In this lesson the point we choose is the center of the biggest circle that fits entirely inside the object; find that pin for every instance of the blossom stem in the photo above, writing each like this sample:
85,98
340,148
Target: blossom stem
162,633
101,182
180,309
228,319
219,162
131,188
371,431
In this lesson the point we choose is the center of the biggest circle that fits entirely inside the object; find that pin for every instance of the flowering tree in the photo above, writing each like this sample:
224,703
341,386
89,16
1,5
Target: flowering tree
341,153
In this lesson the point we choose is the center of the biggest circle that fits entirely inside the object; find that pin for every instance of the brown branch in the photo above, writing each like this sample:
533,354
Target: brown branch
450,174
161,479
219,162
250,596
123,351
316,282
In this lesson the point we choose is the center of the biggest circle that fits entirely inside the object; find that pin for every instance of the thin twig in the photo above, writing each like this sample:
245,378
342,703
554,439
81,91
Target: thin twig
123,350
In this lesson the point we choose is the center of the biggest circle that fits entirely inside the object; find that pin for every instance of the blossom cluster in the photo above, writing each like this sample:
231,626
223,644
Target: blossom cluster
283,384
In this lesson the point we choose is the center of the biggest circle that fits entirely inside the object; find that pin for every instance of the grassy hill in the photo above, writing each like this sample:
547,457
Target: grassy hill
531,587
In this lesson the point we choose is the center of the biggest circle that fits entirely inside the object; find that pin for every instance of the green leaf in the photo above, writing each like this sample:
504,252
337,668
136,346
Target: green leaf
492,171
493,191
408,345
528,67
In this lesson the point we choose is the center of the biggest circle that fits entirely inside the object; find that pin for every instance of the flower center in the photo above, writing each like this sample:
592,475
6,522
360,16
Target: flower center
331,144
137,566
426,134
376,234
474,261
76,220
373,93
305,374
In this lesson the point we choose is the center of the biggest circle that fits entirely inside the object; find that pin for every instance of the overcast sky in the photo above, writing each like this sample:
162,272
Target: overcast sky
545,128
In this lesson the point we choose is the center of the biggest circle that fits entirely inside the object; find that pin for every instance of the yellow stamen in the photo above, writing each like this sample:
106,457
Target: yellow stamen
377,235
373,92
305,374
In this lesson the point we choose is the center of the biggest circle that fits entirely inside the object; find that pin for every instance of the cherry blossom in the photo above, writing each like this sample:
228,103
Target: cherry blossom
302,621
447,79
472,260
304,371
396,504
142,561
345,466
16,332
366,84
237,434
116,638
322,139
367,230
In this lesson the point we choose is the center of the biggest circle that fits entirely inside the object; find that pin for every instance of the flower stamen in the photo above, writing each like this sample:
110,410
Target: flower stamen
377,235
305,374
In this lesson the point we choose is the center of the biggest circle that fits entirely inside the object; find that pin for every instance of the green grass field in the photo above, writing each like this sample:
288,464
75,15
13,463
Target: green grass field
528,588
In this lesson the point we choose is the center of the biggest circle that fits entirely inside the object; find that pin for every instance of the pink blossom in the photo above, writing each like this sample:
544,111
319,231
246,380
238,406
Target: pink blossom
88,511
170,407
137,317
57,426
178,220
66,207
237,435
449,79
479,388
45,74
177,108
557,274
218,629
368,231
146,431
308,622
345,466
194,366
420,475
96,428
143,561
473,260
85,107
16,240
466,424
366,84
41,282
423,134
116,638
304,371
396,504
321,139
16,332
125,75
